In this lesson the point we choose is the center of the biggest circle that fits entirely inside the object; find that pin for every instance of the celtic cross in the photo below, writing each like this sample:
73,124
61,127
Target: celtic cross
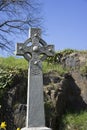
35,50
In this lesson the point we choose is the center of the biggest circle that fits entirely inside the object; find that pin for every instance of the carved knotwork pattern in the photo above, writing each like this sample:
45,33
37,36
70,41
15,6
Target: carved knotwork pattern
32,53
35,65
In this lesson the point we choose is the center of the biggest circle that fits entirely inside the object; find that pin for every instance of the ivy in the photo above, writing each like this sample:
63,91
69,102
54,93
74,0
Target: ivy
5,78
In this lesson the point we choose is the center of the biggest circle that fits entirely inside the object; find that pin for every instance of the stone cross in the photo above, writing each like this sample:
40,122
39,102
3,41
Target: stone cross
35,50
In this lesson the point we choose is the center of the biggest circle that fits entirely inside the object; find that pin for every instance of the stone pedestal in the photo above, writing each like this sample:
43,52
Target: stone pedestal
36,128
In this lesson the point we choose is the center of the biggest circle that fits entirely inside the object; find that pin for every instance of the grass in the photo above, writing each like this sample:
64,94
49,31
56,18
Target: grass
12,62
21,63
75,121
53,67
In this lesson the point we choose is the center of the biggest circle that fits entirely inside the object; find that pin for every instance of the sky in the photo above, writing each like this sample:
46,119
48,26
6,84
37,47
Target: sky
65,22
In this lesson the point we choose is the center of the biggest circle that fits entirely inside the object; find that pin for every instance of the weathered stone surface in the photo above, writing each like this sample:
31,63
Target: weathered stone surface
36,128
36,107
35,104
72,61
20,115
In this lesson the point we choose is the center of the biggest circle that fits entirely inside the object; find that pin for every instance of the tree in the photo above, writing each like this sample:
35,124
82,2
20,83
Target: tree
16,16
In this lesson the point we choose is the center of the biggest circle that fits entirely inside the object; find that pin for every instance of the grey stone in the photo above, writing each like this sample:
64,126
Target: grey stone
36,128
72,61
35,119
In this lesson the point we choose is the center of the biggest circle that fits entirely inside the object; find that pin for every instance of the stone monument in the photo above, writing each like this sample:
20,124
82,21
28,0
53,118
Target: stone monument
35,50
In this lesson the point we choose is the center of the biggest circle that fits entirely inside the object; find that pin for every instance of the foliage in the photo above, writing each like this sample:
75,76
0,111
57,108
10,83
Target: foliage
75,121
10,69
82,51
6,79
53,67
13,63
11,66
20,63
57,58
49,112
68,51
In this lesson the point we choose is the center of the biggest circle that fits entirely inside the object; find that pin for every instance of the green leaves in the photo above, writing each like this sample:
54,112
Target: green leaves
5,78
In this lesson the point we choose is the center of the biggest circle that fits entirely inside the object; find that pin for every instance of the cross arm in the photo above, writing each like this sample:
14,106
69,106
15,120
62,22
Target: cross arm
47,50
19,49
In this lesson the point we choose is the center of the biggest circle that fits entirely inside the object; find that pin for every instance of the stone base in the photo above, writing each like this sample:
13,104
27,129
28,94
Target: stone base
36,128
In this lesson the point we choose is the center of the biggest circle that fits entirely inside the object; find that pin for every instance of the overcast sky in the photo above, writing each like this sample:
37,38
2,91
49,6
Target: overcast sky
65,22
